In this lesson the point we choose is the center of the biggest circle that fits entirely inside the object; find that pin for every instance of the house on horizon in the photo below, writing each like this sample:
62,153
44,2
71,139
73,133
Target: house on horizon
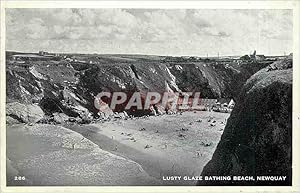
257,57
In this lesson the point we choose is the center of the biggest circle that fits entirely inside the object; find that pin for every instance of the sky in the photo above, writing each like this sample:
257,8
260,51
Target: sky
172,32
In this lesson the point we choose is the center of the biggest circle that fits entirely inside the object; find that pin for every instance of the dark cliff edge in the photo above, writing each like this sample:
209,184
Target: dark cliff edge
257,140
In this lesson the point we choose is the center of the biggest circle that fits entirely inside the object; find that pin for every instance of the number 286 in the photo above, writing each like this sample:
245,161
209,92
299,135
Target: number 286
20,178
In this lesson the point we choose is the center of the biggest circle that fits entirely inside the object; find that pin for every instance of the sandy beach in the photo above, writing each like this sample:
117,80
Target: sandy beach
166,145
138,151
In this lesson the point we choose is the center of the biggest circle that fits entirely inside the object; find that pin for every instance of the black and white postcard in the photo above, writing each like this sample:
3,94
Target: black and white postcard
126,94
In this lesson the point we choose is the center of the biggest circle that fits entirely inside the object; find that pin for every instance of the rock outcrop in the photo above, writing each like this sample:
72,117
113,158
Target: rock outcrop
257,139
24,113
60,117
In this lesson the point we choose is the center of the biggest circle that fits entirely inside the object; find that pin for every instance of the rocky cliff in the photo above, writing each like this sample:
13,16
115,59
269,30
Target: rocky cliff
257,139
68,85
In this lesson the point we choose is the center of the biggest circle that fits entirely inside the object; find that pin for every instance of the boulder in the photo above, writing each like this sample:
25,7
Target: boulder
77,119
60,117
26,113
10,120
257,139
125,114
104,111
122,115
117,115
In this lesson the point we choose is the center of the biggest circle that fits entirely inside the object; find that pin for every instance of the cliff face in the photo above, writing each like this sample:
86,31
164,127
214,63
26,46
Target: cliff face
69,86
257,139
